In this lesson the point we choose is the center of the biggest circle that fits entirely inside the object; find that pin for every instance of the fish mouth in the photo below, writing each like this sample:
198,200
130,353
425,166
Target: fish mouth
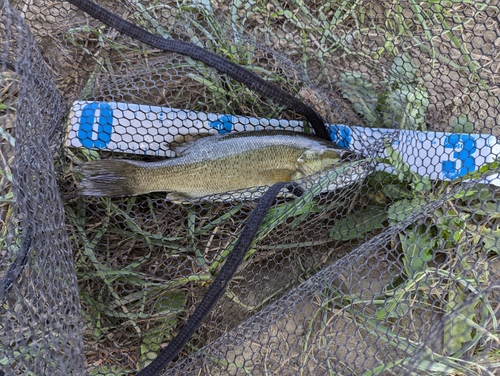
350,169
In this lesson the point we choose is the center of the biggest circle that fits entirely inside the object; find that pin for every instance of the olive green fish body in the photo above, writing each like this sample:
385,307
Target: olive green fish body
215,165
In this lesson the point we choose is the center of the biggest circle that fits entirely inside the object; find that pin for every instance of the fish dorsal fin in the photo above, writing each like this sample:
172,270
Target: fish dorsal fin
182,143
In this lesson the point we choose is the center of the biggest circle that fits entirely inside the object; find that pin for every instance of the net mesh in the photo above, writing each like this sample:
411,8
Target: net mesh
393,274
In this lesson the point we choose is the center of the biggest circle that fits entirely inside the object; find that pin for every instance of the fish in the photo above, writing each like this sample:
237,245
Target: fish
224,166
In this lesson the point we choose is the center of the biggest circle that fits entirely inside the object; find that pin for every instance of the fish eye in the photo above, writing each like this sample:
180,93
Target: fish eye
329,158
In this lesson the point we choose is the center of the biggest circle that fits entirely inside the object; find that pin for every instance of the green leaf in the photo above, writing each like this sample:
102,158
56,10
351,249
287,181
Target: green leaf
489,209
461,124
404,172
456,328
483,170
362,96
396,191
388,185
396,306
404,102
407,106
451,226
417,251
359,223
491,240
402,208
407,101
402,66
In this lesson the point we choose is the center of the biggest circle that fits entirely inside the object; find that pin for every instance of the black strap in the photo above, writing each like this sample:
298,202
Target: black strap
218,287
223,65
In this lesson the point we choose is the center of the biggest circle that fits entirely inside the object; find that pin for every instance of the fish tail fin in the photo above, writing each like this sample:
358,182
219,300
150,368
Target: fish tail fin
110,178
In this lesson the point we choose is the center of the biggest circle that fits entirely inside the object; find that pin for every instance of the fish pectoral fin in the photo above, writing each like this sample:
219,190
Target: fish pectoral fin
277,175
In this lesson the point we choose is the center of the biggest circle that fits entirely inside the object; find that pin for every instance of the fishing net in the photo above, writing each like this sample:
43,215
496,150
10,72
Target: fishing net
395,273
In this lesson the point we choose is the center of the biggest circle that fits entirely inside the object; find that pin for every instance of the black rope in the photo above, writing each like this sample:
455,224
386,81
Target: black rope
223,65
218,287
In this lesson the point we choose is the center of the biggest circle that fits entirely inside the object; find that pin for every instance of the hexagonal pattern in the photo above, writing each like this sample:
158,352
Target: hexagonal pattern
393,272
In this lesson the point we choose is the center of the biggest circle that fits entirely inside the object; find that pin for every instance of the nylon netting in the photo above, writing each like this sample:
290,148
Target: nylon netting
395,273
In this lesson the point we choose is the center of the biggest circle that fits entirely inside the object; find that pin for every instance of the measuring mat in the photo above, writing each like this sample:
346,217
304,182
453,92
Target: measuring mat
148,130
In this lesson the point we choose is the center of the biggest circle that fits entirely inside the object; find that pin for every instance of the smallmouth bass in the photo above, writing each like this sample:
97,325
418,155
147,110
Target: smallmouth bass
215,166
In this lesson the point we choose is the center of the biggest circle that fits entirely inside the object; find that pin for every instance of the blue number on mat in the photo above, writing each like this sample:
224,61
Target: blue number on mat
341,135
86,133
224,124
463,162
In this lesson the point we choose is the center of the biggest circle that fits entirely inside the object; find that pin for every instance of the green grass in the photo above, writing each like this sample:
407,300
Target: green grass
8,105
126,301
446,231
383,32
158,302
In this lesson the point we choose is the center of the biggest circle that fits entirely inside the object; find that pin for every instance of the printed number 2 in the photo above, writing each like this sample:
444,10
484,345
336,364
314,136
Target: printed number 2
224,124
86,133
463,162
341,135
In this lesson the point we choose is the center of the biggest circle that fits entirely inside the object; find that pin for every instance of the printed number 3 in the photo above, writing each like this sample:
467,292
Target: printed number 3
463,162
